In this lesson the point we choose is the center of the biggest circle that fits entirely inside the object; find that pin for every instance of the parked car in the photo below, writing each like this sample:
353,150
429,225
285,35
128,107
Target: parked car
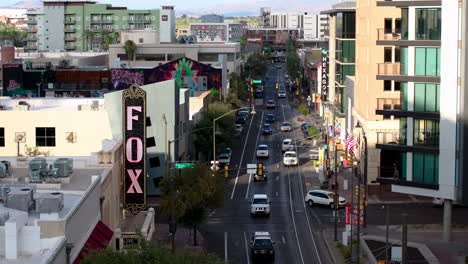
224,159
286,127
305,130
290,158
270,104
287,145
281,94
238,129
261,246
322,197
270,118
227,151
240,120
244,110
262,151
260,205
266,129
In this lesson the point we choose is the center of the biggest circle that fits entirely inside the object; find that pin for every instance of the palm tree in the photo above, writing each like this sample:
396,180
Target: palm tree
89,36
109,38
130,49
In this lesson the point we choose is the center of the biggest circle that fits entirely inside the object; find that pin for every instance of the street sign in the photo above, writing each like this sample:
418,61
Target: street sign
251,168
184,165
257,81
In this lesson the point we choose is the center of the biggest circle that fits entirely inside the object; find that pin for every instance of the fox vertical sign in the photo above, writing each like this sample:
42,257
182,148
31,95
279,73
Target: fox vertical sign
134,135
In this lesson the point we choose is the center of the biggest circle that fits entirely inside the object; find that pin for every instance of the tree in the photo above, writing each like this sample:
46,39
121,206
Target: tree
238,87
89,36
130,49
224,128
243,43
10,32
149,253
108,38
257,65
198,190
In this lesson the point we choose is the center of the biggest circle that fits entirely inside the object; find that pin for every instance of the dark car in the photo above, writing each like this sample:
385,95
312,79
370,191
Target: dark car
305,129
266,129
240,119
258,94
243,115
270,104
270,118
261,246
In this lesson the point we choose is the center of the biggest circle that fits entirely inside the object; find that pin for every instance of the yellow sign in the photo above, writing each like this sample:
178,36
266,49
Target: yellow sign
321,152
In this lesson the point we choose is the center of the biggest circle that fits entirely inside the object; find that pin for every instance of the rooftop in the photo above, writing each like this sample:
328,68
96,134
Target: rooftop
53,104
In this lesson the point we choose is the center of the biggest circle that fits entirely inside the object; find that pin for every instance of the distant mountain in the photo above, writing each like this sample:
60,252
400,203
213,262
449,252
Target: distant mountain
27,4
241,14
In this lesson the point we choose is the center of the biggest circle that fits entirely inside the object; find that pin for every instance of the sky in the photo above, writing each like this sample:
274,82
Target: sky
215,6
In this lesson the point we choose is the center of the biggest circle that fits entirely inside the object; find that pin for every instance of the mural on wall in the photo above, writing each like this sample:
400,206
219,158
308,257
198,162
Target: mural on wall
123,79
187,73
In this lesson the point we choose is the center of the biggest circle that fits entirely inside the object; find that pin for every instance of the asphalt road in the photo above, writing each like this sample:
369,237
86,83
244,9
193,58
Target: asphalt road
294,226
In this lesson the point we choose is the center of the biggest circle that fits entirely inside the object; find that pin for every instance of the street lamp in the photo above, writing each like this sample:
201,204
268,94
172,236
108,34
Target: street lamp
358,125
214,130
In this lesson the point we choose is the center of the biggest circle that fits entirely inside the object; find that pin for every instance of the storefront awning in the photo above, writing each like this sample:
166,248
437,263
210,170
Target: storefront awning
99,239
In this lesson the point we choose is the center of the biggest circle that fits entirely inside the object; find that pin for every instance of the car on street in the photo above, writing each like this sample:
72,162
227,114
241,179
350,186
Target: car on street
227,151
270,104
261,246
245,110
262,151
258,94
244,115
305,130
322,197
287,145
279,67
290,158
270,118
224,159
281,94
238,128
260,205
286,127
266,129
240,120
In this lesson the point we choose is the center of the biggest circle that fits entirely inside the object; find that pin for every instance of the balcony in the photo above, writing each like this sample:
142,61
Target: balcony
69,22
395,37
140,21
31,47
34,30
31,38
70,47
70,39
31,22
389,138
102,21
69,30
399,72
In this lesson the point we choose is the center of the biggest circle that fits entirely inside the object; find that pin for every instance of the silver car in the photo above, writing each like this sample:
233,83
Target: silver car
281,94
286,127
262,151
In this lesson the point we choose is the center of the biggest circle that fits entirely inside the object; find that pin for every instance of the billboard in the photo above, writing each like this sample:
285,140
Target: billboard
134,135
324,75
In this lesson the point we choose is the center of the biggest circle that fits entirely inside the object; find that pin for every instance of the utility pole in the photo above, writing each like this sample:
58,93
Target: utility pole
358,214
366,159
387,220
337,199
404,241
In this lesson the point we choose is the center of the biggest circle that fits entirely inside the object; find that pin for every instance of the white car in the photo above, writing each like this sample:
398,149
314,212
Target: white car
262,151
224,159
290,158
286,127
260,205
238,128
287,145
321,197
281,94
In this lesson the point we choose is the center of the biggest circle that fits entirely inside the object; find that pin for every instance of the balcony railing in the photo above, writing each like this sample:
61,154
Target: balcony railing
31,22
70,47
32,47
102,21
389,69
388,104
70,39
31,38
69,30
140,21
31,30
386,34
69,22
388,137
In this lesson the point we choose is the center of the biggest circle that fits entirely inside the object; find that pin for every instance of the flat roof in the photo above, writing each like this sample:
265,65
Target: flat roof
50,103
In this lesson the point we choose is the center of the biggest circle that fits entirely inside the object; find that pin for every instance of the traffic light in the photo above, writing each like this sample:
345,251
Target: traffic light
350,160
277,85
328,164
251,82
226,171
260,169
344,154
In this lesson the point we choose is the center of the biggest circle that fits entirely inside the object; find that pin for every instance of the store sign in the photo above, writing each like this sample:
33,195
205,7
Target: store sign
324,83
134,134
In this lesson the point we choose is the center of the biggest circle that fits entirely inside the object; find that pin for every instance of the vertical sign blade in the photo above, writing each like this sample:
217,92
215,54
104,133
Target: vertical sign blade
134,135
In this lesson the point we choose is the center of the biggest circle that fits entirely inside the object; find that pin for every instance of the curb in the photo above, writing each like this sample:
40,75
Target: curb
328,248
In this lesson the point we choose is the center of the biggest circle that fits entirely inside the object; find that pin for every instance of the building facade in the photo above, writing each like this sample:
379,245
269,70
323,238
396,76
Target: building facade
314,26
212,18
82,25
216,32
14,16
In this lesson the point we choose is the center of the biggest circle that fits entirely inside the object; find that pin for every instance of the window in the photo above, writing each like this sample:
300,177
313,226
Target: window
388,54
388,26
428,23
396,86
208,57
45,136
397,54
427,62
426,132
2,136
426,97
387,86
426,168
140,40
398,25
403,130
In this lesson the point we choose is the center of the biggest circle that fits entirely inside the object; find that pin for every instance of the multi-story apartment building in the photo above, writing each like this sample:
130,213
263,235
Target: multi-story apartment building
228,31
314,26
81,25
428,149
13,16
212,18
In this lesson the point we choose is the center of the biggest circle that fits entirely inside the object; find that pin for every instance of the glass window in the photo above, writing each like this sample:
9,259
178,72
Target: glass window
2,136
397,25
387,86
425,168
345,51
151,57
388,25
171,57
426,97
426,132
427,62
208,57
404,23
387,54
403,61
428,23
397,86
45,136
403,157
403,130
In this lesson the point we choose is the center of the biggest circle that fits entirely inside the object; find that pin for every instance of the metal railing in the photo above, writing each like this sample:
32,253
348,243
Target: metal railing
388,138
389,68
69,21
383,103
69,30
388,34
31,30
31,22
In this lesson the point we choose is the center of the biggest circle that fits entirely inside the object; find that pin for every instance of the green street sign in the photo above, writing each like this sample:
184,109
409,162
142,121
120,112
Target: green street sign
257,81
325,146
184,165
324,52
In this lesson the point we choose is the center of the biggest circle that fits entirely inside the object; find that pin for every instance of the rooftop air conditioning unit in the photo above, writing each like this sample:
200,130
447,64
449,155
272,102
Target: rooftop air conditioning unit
34,176
20,199
47,203
4,215
3,170
5,188
38,164
64,166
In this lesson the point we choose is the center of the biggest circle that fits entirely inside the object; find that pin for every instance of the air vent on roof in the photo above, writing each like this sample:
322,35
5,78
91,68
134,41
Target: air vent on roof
20,199
47,203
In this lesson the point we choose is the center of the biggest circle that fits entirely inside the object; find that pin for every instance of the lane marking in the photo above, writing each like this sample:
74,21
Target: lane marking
284,240
254,156
293,218
242,157
225,247
304,205
246,248
277,194
212,213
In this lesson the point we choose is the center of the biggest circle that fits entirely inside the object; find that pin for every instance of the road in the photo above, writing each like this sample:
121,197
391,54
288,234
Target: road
294,227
